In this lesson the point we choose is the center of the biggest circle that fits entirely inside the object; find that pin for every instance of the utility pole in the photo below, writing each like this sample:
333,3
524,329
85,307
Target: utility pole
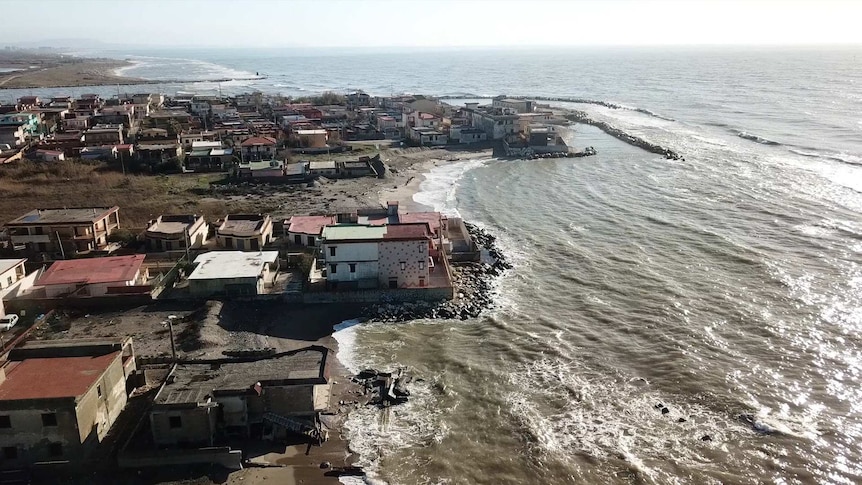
186,234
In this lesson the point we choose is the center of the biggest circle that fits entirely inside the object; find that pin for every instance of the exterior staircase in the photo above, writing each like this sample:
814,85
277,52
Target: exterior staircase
294,425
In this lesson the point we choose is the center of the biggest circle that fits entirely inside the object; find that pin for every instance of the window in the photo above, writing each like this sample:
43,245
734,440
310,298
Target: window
99,390
422,265
333,268
403,265
393,283
49,419
255,244
175,422
421,281
5,422
10,452
311,240
297,239
55,449
332,250
352,267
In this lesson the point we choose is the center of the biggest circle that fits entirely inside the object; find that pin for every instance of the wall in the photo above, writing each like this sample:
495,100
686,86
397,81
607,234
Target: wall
33,439
382,295
222,286
224,456
195,429
98,412
289,400
412,253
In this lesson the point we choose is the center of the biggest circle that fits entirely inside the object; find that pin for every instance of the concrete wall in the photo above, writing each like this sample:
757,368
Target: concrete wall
364,255
225,286
289,400
414,255
381,295
80,428
197,424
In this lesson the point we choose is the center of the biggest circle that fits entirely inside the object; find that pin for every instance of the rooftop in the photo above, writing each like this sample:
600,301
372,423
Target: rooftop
262,164
231,264
321,165
243,223
89,215
418,230
173,223
353,232
259,140
92,270
53,377
311,132
310,224
191,384
7,264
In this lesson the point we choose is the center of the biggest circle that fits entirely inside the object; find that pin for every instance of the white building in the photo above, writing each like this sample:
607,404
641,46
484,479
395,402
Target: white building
11,272
172,232
233,273
365,256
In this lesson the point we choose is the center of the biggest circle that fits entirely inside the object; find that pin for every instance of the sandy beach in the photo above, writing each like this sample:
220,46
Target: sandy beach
82,72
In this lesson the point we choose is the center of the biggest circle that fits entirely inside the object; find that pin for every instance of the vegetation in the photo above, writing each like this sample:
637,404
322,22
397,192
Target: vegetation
27,185
326,98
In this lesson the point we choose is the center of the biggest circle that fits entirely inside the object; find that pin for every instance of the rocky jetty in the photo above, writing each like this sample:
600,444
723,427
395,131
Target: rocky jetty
387,388
581,117
473,286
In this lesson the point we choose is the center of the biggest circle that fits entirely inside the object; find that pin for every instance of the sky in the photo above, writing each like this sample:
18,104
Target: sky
419,23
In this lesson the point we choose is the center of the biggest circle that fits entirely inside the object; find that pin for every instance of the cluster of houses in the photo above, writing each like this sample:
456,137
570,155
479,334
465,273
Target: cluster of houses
74,256
253,132
59,399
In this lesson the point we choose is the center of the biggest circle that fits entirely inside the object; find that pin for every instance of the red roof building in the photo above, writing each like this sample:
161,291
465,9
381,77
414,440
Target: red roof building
93,276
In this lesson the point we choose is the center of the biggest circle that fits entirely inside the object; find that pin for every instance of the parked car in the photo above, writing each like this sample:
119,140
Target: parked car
8,321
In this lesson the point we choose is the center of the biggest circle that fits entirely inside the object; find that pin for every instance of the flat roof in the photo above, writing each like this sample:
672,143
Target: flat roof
53,377
88,215
416,230
353,232
92,270
231,264
7,264
173,224
196,383
321,165
310,132
310,224
262,164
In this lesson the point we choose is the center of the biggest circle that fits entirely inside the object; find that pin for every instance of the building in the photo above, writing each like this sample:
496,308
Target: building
360,256
59,399
173,232
515,105
29,122
497,123
63,233
246,232
258,148
13,135
209,158
427,136
260,168
311,138
187,140
322,168
89,277
262,399
11,272
467,135
233,273
100,135
306,230
50,155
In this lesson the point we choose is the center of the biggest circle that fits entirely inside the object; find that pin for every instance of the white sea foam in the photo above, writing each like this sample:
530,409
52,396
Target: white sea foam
345,334
439,189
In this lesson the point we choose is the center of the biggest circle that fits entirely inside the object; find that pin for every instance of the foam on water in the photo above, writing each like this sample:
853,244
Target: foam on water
439,188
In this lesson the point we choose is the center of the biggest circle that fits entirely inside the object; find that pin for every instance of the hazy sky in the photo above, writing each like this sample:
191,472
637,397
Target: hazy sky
359,23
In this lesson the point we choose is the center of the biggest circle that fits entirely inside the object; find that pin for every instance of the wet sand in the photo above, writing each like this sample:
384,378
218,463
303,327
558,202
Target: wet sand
86,72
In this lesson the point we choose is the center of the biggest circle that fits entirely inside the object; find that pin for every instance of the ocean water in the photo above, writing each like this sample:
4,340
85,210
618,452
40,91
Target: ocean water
726,287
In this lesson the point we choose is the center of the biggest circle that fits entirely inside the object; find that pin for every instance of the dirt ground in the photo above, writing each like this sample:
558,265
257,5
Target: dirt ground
29,185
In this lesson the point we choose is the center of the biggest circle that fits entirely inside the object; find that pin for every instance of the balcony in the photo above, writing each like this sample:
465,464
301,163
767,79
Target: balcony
35,238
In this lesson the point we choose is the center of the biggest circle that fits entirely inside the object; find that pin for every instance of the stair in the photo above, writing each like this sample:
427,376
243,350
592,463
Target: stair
294,425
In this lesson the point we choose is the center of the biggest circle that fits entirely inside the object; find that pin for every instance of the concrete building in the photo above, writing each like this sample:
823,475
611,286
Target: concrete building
171,232
516,105
365,256
11,272
59,399
311,138
497,123
262,399
258,148
233,273
260,168
306,230
100,135
427,136
90,277
63,233
246,232
13,135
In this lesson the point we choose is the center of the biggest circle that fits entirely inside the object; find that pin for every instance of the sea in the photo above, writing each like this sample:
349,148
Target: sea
666,321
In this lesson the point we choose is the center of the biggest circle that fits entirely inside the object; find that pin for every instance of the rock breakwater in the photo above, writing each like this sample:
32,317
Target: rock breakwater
581,117
473,283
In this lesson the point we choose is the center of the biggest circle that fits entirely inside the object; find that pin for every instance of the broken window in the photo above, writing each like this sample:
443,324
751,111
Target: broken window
175,422
55,449
49,419
99,390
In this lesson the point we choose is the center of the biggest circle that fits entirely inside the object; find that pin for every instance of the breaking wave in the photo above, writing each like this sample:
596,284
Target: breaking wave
763,141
